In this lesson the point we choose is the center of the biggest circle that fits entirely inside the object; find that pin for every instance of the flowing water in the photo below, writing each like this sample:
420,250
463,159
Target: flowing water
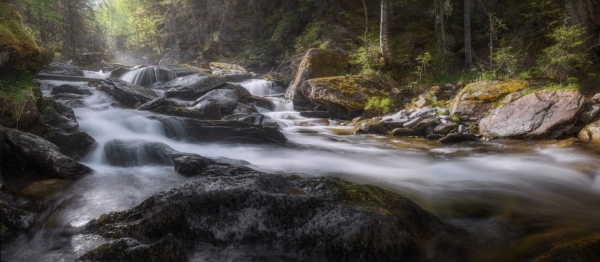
519,198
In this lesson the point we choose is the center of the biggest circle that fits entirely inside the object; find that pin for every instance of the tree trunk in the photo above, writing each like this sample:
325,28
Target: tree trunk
468,54
366,31
383,33
65,34
174,22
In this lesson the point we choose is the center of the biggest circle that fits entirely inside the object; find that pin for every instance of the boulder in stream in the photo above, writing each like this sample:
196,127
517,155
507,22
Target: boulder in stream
544,114
126,93
75,145
58,115
272,216
44,154
165,106
13,220
226,99
62,68
128,153
192,165
193,86
167,249
71,89
591,132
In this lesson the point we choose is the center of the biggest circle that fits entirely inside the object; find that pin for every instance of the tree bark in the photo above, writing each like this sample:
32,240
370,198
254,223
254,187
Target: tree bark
174,23
366,31
468,54
383,33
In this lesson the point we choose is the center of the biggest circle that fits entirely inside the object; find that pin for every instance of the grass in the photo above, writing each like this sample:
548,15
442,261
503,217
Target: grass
13,94
455,118
378,104
551,87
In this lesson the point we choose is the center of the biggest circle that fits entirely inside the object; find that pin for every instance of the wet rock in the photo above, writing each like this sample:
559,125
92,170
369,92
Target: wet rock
167,249
75,145
239,90
590,113
148,76
253,119
182,71
226,99
434,137
371,126
544,114
192,165
423,113
262,102
71,89
75,103
13,220
58,115
412,122
193,130
193,87
591,132
425,123
244,109
44,188
345,96
165,106
463,129
477,99
127,93
44,154
318,219
401,132
61,68
24,116
396,123
457,138
445,128
119,72
402,114
128,153
315,114
219,68
582,250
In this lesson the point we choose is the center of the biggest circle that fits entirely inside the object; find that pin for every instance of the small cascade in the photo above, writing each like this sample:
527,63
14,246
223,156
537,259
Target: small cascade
94,74
148,76
282,104
259,87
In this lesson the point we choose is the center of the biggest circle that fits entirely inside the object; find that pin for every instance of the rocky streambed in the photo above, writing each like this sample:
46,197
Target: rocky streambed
192,166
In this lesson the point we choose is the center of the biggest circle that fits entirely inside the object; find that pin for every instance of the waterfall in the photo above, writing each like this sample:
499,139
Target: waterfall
148,76
259,87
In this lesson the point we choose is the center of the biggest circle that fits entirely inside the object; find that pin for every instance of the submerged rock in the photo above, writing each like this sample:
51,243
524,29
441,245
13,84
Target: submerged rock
253,119
13,220
193,86
226,99
345,96
127,93
544,114
165,106
318,219
128,153
44,154
192,165
71,89
457,138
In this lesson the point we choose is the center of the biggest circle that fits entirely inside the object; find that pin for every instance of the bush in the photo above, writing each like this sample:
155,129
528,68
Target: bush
379,105
567,54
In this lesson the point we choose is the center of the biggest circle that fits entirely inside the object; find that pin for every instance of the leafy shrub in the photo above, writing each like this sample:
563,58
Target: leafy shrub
380,105
567,54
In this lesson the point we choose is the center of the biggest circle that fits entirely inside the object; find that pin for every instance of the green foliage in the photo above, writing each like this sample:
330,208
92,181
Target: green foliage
423,61
312,37
455,118
567,54
552,87
379,104
506,61
13,93
365,60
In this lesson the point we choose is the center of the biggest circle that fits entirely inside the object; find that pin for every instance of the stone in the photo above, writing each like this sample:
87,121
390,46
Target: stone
129,153
226,99
371,126
544,114
478,99
316,63
61,68
168,248
219,68
445,128
423,101
434,137
44,188
75,103
24,115
210,109
401,132
237,208
71,89
412,122
75,145
192,165
589,114
44,154
193,86
345,96
423,124
13,220
443,92
581,250
119,72
591,132
239,90
199,131
402,114
263,102
244,109
512,97
396,123
423,113
58,115
253,119
165,106
462,129
126,93
457,138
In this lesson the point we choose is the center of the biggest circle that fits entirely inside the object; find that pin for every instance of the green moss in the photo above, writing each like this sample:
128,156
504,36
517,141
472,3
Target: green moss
367,196
14,93
326,63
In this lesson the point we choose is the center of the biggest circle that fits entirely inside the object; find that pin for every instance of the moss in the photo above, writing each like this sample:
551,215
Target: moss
325,63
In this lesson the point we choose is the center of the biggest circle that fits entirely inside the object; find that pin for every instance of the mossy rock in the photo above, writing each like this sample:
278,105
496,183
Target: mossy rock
477,99
345,96
18,50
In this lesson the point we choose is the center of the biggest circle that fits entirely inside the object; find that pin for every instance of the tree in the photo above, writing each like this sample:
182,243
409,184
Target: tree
567,54
468,40
383,33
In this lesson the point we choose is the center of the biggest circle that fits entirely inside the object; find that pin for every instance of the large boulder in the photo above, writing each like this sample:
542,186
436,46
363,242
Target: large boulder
317,63
193,86
544,114
475,100
62,68
586,250
19,53
318,219
13,220
192,165
127,93
233,73
591,132
345,96
58,115
71,89
165,106
24,114
128,153
193,130
75,145
226,99
44,154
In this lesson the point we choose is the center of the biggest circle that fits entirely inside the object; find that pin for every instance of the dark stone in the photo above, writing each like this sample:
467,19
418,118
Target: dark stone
193,86
210,109
317,219
371,126
44,154
72,90
127,93
413,122
165,106
239,90
445,128
128,153
245,109
119,72
193,130
125,249
192,165
75,145
58,115
225,98
315,114
75,103
406,132
262,102
425,123
61,68
434,137
13,220
238,77
396,123
457,138
587,250
253,119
